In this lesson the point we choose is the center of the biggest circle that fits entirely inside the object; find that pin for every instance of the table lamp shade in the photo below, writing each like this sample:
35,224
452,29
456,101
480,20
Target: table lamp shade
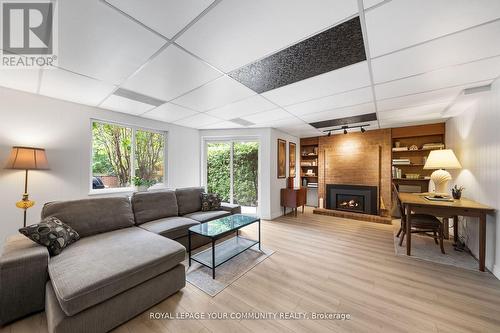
27,158
442,159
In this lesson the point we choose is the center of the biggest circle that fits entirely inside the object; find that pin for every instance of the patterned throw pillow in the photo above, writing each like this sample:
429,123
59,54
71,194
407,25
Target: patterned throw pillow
210,201
52,233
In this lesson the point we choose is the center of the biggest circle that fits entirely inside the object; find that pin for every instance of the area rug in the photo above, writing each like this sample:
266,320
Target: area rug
230,271
424,248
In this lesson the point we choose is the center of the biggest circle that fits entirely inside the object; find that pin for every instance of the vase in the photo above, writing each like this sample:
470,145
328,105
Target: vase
456,194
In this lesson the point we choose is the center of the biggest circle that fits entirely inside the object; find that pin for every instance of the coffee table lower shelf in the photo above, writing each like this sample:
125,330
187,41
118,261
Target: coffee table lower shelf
223,252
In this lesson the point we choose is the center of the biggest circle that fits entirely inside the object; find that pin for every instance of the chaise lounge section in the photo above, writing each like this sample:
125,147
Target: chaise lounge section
128,259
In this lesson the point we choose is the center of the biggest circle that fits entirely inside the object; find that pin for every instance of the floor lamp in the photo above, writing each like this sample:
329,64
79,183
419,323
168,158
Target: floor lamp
27,158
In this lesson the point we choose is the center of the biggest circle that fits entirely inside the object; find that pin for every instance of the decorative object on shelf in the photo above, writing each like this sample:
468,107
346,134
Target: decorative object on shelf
440,160
291,159
304,182
413,147
27,158
412,176
456,191
281,158
397,144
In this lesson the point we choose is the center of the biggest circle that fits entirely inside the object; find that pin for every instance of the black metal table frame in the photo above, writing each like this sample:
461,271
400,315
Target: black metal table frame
216,238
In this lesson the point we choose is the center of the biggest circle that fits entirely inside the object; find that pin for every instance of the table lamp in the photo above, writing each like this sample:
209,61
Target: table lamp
27,158
440,160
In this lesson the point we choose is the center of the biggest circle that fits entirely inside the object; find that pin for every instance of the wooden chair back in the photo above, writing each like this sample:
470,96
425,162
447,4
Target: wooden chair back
398,201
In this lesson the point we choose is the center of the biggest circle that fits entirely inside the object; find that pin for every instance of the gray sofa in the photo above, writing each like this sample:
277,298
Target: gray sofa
128,259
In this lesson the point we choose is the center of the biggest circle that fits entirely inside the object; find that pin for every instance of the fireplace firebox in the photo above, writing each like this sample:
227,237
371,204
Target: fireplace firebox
352,198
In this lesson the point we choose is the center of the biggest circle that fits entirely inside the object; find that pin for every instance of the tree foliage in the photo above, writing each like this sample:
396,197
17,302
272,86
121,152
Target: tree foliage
112,151
245,171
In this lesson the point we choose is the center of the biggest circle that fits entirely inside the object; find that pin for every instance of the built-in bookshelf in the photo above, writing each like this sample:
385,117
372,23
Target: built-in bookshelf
410,148
309,168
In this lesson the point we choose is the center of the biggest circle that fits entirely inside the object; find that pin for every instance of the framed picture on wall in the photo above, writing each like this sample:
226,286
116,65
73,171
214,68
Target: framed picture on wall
281,158
291,159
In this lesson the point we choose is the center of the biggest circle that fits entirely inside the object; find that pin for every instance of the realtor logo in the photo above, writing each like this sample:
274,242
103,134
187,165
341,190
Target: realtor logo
28,34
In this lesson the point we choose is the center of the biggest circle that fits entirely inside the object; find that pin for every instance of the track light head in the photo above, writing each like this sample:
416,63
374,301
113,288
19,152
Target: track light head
329,133
345,131
362,130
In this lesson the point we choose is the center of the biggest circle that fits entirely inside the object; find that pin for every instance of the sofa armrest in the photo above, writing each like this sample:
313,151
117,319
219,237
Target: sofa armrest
233,209
23,274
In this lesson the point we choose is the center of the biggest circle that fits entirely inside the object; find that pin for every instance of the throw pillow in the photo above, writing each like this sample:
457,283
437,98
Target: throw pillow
210,201
52,233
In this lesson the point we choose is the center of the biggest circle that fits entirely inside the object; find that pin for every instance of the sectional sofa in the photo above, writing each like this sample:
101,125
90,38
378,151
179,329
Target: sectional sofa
129,258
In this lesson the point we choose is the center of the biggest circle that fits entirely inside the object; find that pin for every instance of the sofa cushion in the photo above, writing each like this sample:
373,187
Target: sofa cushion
99,267
150,206
207,216
171,227
51,233
189,199
210,201
92,216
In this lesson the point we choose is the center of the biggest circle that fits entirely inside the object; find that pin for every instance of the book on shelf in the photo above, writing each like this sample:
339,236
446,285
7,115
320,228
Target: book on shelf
401,161
400,149
432,146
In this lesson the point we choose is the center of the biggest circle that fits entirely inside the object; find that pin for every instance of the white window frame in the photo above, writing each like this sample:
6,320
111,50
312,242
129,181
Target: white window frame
134,128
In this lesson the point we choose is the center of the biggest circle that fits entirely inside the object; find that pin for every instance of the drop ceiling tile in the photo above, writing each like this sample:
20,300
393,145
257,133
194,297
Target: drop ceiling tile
169,113
217,93
459,48
259,28
170,74
354,97
399,24
20,79
125,105
281,123
268,116
339,113
167,17
98,41
447,77
413,111
371,3
334,82
412,121
197,121
68,86
222,125
446,95
245,107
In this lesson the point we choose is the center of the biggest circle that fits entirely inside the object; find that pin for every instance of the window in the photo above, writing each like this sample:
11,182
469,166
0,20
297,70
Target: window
232,171
124,157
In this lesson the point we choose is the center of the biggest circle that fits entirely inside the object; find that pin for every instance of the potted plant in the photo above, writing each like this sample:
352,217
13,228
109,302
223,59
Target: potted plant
142,185
456,191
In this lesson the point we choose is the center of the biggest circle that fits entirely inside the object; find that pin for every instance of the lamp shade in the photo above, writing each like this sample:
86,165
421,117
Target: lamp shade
27,158
442,159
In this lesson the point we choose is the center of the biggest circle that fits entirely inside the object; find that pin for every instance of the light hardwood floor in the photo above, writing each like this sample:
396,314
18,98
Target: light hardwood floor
328,264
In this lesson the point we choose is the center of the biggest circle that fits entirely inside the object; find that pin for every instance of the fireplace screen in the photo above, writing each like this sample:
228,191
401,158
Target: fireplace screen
352,203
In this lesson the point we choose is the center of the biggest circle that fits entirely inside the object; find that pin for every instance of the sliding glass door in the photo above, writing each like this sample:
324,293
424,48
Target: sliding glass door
232,169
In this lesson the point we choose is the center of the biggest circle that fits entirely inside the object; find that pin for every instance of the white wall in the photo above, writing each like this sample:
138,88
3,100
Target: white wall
475,137
269,184
63,129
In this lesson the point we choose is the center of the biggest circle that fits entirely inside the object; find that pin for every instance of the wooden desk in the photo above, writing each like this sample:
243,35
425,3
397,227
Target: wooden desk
416,203
293,198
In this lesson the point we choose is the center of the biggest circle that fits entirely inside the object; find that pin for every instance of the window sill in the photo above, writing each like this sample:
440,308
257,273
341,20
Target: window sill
105,191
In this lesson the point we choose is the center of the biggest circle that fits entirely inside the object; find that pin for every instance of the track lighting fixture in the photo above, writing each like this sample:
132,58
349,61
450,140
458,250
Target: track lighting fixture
345,128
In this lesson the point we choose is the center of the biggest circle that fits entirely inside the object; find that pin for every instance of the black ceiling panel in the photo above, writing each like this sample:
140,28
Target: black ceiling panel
332,49
345,121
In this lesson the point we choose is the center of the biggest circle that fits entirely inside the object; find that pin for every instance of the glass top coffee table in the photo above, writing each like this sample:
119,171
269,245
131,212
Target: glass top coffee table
230,248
